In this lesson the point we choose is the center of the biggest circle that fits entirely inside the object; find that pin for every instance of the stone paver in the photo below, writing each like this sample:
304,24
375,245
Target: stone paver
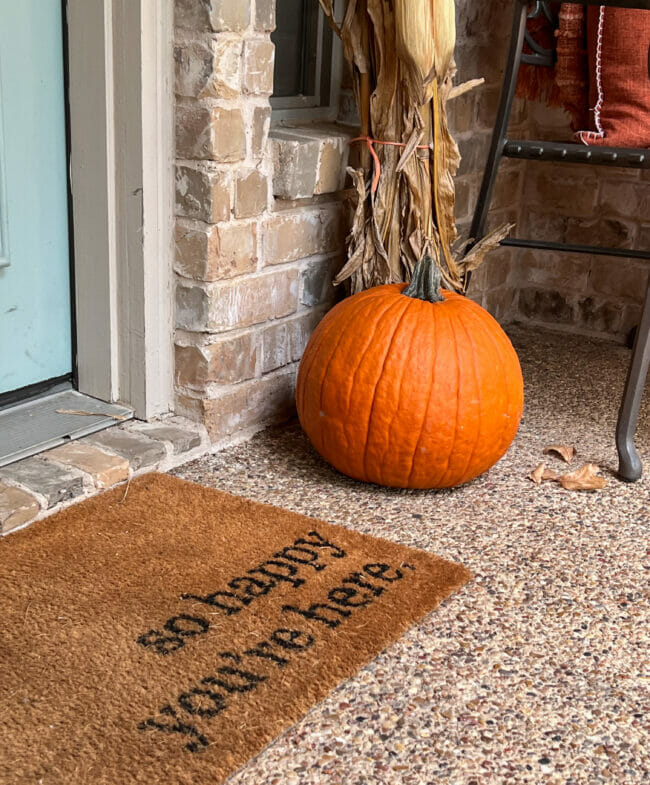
54,482
81,468
16,507
105,469
140,451
181,439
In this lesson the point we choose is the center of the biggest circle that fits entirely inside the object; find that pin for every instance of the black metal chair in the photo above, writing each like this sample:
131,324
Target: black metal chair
630,467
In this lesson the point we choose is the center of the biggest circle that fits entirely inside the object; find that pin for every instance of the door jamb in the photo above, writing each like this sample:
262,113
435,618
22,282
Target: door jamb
121,172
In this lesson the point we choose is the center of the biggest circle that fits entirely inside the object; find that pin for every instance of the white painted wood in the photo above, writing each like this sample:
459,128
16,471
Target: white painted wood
125,354
93,194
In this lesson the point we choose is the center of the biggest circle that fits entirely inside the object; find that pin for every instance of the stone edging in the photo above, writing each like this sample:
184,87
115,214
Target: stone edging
39,486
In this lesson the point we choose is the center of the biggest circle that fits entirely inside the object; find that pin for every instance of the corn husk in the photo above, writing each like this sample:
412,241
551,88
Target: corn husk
401,53
444,32
426,37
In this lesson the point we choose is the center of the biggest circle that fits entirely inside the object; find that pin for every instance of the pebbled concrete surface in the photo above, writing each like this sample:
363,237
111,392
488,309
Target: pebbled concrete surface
538,671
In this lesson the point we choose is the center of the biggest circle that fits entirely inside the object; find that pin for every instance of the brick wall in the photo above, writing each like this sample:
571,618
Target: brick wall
253,272
594,295
483,34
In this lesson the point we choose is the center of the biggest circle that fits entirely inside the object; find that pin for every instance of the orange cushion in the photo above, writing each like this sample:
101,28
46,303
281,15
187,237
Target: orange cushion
619,83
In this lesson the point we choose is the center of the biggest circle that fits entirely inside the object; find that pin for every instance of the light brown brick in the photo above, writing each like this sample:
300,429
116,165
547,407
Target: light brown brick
192,14
192,307
619,278
644,236
463,196
226,15
317,281
461,113
105,469
506,190
545,306
500,303
211,252
251,194
295,163
560,192
297,234
16,507
259,57
202,194
256,402
497,269
598,314
230,360
217,15
193,131
209,133
284,343
626,199
260,131
209,68
331,165
487,105
265,15
219,307
553,271
608,232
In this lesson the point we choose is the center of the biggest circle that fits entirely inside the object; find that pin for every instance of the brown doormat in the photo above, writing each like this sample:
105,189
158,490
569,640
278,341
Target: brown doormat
166,635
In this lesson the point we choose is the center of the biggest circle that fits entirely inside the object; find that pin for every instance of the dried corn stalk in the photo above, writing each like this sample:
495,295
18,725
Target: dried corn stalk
401,53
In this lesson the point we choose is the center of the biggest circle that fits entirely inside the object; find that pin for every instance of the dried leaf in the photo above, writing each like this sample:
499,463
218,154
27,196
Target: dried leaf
563,451
460,89
401,55
584,479
542,474
537,474
477,253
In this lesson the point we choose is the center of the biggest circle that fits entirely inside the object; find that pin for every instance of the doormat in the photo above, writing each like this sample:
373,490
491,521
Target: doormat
168,632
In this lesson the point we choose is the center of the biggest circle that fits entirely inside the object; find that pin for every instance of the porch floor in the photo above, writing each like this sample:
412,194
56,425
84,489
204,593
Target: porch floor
538,671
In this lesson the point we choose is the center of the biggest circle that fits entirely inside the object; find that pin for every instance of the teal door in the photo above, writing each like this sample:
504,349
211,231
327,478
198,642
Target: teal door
35,302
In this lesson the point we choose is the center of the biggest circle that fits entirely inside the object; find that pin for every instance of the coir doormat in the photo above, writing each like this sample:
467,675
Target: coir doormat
167,635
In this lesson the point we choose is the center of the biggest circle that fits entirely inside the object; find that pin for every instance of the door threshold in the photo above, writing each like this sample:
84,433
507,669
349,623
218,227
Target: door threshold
47,421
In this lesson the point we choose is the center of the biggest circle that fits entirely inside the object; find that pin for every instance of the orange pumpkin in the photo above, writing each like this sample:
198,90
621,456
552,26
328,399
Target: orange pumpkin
410,387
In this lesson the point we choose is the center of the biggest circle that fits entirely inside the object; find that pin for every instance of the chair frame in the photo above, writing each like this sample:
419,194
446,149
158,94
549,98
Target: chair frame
630,466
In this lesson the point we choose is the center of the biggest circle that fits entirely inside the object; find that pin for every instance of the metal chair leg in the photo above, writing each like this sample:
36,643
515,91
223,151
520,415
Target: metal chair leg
630,467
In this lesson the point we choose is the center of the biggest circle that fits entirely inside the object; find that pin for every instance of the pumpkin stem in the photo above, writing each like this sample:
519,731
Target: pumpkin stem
425,282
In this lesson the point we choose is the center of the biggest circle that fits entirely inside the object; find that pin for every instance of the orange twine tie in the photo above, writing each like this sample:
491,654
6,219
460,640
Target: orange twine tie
370,143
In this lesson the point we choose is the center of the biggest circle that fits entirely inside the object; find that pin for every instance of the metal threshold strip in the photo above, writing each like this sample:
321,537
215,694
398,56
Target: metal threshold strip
47,421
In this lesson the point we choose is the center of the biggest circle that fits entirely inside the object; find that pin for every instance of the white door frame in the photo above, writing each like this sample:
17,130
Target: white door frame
121,170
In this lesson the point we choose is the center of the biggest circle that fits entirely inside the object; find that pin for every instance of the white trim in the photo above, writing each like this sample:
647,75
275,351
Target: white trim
121,106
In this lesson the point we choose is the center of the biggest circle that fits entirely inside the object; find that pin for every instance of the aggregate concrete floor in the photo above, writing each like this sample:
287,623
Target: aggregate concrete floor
538,671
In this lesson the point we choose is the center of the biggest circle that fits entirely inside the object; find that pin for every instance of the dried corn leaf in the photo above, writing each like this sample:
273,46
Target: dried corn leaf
564,451
549,475
584,479
475,256
444,31
401,55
